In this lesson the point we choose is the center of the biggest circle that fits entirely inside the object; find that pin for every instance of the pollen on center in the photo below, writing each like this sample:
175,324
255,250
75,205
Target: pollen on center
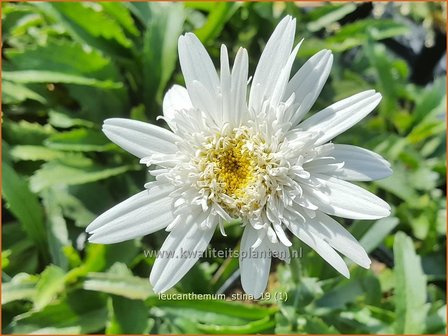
234,167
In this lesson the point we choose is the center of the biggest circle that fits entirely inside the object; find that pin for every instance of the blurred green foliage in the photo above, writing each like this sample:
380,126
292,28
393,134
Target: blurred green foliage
68,66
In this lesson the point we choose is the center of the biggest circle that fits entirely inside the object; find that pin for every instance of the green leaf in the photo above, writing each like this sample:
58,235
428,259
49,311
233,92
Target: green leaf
264,325
98,104
21,287
353,35
21,250
95,261
62,56
430,103
57,174
14,19
101,257
377,232
198,278
434,266
425,179
36,153
13,93
128,317
206,6
236,309
75,59
332,14
78,18
315,325
387,77
25,206
119,281
40,76
81,139
219,15
193,317
164,26
378,29
427,129
26,133
120,13
339,296
65,120
49,285
399,184
138,113
5,258
227,268
80,313
410,287
56,229
74,208
363,319
436,323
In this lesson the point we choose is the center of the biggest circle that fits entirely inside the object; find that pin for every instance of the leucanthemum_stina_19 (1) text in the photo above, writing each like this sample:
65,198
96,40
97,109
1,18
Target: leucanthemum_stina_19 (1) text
234,154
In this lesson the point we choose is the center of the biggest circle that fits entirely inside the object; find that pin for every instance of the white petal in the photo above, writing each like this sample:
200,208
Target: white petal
197,66
142,214
342,115
204,101
139,138
180,251
239,86
321,247
176,99
308,82
254,265
280,233
360,164
196,63
226,113
338,237
282,81
347,200
281,252
325,165
272,60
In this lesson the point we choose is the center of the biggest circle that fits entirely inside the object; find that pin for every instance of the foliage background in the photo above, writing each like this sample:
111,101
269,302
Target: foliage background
68,66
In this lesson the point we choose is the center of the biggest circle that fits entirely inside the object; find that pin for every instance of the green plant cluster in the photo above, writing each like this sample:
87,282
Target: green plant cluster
69,66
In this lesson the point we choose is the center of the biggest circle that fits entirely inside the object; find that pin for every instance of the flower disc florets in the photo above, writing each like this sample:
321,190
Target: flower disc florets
234,168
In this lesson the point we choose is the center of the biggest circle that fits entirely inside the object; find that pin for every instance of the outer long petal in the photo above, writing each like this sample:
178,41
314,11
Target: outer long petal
239,86
254,265
233,88
321,247
196,63
225,114
274,57
139,138
344,199
308,82
360,164
176,99
142,214
197,66
180,251
338,237
339,117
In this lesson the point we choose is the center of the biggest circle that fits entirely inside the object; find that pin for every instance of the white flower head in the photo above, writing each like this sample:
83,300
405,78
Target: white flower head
228,157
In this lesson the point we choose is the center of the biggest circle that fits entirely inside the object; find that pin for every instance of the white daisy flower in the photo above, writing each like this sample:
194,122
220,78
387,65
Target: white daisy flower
256,160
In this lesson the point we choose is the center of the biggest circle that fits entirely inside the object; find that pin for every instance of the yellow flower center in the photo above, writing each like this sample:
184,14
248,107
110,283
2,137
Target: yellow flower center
233,170
234,167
